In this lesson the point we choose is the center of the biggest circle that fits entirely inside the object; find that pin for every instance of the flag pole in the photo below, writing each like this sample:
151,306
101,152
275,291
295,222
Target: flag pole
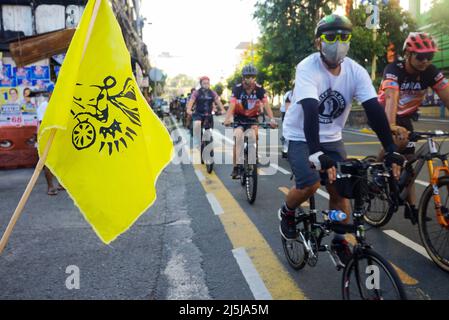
40,165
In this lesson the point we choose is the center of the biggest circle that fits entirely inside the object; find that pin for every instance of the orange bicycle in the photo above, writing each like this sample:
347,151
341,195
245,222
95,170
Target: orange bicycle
388,195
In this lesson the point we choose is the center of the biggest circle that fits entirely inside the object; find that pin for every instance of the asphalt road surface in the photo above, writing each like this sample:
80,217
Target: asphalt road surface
200,240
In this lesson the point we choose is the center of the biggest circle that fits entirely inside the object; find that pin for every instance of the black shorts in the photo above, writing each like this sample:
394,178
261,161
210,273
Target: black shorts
207,120
248,122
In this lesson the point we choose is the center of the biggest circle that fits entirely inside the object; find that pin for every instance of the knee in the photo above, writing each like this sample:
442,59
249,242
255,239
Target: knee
310,190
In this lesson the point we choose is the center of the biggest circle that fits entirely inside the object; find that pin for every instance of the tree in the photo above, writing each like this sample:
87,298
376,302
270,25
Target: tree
218,88
439,14
287,28
395,24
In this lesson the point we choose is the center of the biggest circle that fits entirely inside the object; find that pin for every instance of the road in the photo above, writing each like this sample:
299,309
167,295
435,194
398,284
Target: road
200,240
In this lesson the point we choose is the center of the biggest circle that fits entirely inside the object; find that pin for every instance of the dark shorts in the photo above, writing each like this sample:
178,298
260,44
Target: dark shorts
206,119
298,157
407,123
245,120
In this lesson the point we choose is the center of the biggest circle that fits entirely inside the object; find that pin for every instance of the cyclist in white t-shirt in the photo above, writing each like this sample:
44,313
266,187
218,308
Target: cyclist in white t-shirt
325,84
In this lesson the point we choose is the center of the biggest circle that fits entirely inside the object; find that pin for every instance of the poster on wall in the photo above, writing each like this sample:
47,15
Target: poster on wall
40,73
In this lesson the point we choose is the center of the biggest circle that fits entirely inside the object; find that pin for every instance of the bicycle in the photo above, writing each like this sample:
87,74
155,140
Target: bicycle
207,124
352,178
248,171
393,195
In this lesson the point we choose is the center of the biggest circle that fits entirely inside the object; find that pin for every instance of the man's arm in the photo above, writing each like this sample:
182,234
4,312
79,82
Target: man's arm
391,105
190,104
230,112
444,96
379,123
218,102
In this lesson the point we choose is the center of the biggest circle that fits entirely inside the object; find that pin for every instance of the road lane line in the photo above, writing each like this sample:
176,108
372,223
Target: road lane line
286,190
200,175
216,207
423,183
276,167
407,242
323,193
405,278
244,234
252,277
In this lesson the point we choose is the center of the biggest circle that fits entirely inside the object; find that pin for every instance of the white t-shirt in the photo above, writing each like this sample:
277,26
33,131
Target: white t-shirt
335,94
41,110
287,95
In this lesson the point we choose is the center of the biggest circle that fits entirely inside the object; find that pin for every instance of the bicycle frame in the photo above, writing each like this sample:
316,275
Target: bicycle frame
426,154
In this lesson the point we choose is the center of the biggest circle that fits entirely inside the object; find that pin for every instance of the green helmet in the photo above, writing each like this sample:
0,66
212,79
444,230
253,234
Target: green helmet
331,23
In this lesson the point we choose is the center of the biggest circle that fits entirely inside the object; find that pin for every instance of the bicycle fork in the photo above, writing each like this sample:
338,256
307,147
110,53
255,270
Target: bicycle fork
442,217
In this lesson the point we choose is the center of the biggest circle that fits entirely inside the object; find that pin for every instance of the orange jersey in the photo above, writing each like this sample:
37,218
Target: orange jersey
412,87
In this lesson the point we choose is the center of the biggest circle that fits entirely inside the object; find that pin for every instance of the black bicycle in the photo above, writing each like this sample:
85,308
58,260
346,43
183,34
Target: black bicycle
248,171
433,211
207,142
367,275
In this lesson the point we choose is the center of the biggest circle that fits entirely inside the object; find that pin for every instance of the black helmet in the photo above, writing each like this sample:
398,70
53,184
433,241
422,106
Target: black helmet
333,22
249,70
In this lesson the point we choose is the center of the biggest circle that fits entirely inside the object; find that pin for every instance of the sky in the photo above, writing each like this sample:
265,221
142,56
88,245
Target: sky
201,36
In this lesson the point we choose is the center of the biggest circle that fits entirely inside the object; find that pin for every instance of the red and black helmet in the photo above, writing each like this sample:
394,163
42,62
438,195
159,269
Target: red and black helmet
420,42
204,78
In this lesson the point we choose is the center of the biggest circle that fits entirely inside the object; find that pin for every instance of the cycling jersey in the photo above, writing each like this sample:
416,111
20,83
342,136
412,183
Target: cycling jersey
248,104
204,100
412,87
182,102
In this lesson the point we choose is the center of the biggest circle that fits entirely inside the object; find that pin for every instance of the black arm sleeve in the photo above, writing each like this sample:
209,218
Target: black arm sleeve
311,124
378,121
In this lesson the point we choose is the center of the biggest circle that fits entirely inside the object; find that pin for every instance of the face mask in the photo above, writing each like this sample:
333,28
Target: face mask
334,53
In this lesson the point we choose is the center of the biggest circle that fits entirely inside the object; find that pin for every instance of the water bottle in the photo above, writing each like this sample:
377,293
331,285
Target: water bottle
336,215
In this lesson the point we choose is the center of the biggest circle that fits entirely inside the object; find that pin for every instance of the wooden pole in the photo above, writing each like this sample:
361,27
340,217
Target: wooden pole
40,165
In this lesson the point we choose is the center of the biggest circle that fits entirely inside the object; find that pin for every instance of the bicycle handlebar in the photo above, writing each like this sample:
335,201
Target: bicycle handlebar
420,135
265,125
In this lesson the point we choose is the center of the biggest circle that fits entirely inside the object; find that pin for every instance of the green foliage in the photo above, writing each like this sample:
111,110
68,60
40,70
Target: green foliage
439,14
218,88
287,37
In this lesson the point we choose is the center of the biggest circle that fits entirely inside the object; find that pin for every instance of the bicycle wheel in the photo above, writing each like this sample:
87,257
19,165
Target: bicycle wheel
368,276
251,182
380,210
295,252
434,236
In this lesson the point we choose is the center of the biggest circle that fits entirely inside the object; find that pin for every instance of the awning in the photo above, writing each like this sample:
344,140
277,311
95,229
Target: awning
31,49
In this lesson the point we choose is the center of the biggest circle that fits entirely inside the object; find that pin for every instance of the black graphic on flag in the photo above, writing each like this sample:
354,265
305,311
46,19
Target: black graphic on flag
105,115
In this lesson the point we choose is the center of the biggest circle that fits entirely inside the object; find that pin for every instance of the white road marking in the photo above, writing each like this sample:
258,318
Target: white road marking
409,243
200,175
275,166
423,183
216,207
323,193
252,277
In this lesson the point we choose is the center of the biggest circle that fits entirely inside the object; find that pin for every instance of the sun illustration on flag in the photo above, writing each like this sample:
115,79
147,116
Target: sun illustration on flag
107,113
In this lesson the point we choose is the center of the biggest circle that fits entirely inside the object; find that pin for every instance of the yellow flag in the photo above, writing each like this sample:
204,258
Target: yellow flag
110,147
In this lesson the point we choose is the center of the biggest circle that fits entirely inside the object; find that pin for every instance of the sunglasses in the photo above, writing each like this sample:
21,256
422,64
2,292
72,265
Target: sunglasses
424,56
249,77
332,37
